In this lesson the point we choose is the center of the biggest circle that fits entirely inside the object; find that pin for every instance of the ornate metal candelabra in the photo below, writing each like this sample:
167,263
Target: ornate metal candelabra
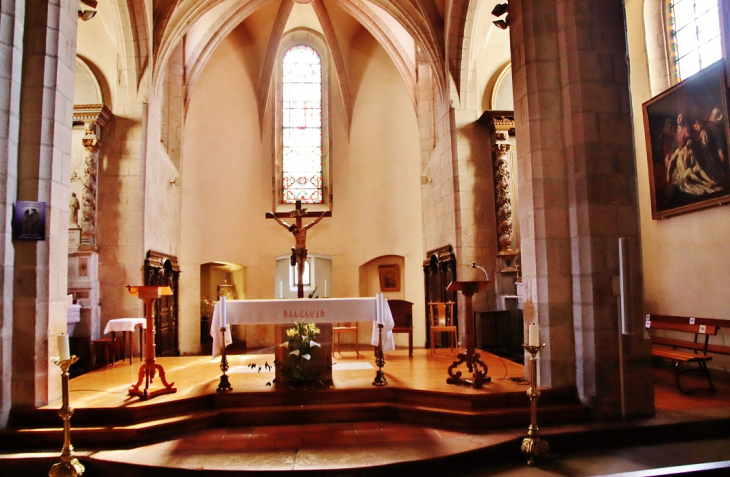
380,379
69,465
224,385
533,447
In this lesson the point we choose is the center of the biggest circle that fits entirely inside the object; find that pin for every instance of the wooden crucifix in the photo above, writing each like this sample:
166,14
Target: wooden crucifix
299,251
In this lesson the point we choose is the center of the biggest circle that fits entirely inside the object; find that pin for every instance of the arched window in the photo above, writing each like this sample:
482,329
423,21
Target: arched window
301,138
694,28
301,127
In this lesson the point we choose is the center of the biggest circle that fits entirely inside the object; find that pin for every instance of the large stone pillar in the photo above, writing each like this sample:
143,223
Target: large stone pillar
46,106
11,49
542,186
603,205
577,185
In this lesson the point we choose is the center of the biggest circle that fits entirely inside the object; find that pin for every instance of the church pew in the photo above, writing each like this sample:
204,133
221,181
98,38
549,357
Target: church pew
695,327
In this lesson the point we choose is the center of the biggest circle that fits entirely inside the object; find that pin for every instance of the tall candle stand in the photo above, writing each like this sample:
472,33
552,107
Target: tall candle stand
533,447
224,385
380,379
69,465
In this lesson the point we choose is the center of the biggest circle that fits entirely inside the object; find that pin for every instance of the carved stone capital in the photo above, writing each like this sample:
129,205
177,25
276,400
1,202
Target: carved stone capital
91,144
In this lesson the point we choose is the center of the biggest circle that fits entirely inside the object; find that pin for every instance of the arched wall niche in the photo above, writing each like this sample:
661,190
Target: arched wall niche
87,87
502,97
216,279
371,284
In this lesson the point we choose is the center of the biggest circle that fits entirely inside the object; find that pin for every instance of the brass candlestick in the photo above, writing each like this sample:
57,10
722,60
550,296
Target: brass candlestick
69,465
380,379
533,447
224,385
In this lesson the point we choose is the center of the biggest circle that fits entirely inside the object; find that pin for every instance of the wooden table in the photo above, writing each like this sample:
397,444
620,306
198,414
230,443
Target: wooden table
126,325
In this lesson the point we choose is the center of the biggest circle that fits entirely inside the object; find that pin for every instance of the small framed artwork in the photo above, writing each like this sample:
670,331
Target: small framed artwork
389,278
29,220
686,129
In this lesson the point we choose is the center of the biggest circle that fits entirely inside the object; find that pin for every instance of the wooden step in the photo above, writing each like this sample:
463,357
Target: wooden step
104,435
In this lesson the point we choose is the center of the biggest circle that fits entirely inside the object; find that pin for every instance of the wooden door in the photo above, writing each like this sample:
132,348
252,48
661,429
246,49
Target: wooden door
163,270
439,270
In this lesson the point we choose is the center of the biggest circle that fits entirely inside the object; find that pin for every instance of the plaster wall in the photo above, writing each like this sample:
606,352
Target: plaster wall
227,181
686,258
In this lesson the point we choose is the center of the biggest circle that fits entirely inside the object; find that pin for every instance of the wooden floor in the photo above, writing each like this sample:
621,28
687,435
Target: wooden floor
359,446
200,375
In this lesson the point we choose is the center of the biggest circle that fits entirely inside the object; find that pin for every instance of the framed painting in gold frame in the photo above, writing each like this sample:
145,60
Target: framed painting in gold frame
686,131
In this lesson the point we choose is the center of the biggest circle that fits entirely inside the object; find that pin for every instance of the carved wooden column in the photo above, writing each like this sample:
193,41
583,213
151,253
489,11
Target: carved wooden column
94,117
504,206
503,192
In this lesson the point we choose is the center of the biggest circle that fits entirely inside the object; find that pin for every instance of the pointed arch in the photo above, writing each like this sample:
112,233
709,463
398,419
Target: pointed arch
133,33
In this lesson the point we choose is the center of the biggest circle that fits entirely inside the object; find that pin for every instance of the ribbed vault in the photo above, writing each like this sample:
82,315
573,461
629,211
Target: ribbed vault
399,26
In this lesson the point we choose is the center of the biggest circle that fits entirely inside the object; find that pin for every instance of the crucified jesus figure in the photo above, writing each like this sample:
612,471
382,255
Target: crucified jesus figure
299,251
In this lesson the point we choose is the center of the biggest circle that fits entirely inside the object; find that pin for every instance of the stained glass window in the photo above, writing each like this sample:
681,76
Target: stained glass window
695,32
302,126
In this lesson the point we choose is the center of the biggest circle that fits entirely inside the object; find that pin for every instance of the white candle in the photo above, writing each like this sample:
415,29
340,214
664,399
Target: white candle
325,288
281,289
64,352
224,318
534,335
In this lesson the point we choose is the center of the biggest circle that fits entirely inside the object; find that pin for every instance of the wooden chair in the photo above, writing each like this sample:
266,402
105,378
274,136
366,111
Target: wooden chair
338,329
105,346
442,319
402,312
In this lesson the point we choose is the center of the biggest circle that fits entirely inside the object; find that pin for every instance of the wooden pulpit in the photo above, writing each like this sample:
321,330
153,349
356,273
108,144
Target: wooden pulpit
150,367
469,356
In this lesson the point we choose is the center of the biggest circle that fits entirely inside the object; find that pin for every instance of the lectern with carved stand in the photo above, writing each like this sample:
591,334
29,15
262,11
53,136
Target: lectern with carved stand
150,367
469,356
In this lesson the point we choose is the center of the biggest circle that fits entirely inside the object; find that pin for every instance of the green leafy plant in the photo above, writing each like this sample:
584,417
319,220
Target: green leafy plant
301,345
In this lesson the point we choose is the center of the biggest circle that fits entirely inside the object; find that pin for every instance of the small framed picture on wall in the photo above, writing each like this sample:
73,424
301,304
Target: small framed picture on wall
29,220
389,278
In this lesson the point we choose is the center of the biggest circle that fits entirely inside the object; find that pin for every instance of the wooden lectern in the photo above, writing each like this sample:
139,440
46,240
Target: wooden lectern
471,358
147,371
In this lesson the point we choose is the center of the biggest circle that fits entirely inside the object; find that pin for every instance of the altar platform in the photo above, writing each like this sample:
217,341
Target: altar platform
417,422
105,414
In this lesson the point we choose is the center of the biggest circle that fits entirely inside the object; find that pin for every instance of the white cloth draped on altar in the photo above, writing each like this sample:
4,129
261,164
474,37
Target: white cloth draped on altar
284,312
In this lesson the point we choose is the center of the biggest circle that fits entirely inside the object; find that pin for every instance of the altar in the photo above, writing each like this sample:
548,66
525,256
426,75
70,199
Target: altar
319,311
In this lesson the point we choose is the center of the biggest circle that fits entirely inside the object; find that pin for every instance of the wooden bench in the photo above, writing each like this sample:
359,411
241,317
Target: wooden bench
704,327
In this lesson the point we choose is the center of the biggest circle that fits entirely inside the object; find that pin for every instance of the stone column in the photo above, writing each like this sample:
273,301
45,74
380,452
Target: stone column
39,288
577,188
543,186
12,15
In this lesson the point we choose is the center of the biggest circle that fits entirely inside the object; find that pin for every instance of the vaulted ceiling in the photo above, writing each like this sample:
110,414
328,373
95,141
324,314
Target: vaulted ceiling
412,32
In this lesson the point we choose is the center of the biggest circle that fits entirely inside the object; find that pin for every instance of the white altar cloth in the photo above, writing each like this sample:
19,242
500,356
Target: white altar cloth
324,310
124,324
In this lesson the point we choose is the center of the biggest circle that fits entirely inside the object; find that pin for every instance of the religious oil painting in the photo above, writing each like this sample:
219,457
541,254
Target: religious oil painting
29,220
389,278
686,130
